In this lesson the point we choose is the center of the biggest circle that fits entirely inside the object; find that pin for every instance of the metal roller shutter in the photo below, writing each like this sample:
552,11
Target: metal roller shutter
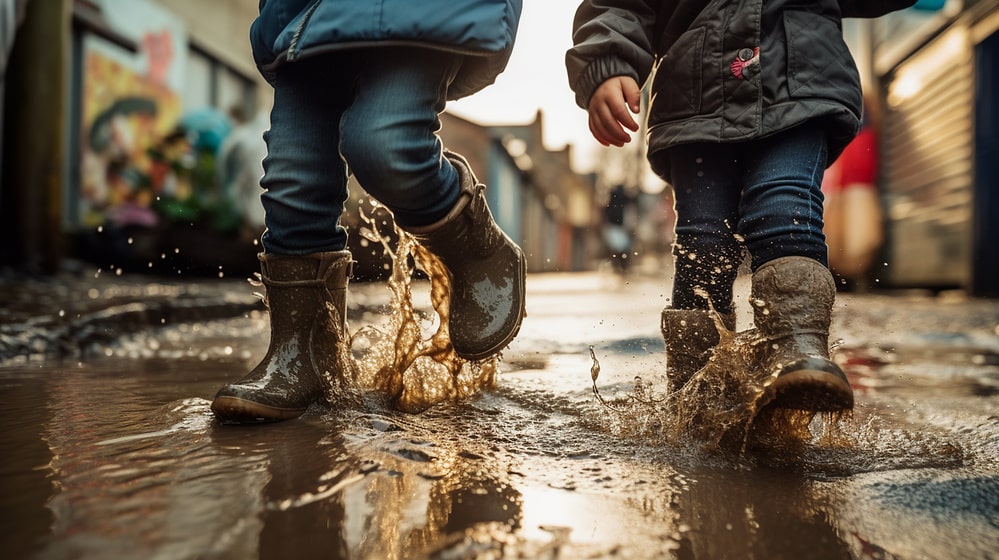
928,165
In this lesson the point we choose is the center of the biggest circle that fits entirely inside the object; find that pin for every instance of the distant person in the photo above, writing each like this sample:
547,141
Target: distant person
362,88
240,165
854,225
618,227
750,102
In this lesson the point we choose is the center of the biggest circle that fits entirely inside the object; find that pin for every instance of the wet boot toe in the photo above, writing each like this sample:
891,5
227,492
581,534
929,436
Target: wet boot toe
812,384
230,409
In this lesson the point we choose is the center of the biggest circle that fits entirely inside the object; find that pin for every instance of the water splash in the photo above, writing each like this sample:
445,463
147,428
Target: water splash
722,407
413,369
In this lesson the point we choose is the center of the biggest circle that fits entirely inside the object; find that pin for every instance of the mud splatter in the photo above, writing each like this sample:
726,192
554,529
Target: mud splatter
722,407
411,361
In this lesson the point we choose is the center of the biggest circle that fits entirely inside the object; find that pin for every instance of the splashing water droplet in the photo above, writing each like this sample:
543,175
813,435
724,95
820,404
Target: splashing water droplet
415,370
722,407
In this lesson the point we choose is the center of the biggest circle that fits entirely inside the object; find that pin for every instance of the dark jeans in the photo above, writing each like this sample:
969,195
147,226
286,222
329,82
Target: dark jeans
762,196
375,111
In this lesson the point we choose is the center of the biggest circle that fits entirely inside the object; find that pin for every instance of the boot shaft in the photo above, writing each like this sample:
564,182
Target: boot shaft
469,228
792,300
690,336
304,284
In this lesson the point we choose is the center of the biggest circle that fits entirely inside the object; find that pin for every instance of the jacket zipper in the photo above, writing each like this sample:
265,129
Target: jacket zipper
293,44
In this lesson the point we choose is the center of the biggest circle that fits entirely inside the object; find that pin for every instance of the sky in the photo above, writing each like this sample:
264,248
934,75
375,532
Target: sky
535,79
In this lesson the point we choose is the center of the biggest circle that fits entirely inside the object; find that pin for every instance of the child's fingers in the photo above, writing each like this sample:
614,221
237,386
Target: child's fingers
606,127
632,94
611,107
624,117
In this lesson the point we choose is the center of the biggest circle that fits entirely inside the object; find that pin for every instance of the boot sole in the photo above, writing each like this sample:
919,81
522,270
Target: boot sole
234,410
810,385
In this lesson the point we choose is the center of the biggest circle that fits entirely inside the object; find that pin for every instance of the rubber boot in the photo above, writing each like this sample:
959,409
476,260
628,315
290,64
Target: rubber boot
306,299
792,301
690,336
488,270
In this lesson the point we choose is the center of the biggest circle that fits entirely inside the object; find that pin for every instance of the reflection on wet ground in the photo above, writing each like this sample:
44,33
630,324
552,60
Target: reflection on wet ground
116,455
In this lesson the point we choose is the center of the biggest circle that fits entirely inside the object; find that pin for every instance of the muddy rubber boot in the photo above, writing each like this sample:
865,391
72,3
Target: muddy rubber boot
690,336
792,301
306,299
488,270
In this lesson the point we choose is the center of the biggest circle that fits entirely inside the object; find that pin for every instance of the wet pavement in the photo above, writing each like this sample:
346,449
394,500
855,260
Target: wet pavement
111,450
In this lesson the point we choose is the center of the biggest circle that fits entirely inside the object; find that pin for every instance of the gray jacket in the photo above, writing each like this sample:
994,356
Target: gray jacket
725,70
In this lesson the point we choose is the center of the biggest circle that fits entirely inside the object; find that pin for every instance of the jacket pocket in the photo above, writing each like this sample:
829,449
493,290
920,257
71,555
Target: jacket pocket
678,77
819,64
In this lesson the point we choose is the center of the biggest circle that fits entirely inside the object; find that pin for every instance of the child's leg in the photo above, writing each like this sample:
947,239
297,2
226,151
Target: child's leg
389,139
706,254
792,289
707,183
305,179
781,206
303,266
389,133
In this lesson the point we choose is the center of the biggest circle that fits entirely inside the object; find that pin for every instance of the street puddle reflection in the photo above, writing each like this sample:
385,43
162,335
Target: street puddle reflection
116,458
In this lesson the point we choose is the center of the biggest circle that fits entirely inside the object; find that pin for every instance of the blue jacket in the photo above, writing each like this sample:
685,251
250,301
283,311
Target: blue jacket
484,30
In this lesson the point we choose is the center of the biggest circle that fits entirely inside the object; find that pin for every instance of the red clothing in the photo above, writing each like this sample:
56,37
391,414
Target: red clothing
857,166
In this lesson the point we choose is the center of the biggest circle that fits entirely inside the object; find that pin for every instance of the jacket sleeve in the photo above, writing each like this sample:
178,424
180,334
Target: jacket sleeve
610,38
872,8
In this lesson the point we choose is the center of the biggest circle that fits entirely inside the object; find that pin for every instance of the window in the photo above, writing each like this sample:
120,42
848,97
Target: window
211,83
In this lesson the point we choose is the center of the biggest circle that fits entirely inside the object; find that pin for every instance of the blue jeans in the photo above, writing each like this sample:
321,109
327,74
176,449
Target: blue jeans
762,196
372,111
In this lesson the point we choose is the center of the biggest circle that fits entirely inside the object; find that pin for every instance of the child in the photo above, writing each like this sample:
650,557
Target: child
361,84
751,101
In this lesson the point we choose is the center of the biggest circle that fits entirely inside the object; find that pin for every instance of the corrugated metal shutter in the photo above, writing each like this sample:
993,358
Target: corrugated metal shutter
928,165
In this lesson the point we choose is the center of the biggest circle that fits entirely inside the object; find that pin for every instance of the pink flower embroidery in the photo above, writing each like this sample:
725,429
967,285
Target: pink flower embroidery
745,59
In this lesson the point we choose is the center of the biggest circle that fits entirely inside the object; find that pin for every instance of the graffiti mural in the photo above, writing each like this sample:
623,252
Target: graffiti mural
128,119
131,105
149,183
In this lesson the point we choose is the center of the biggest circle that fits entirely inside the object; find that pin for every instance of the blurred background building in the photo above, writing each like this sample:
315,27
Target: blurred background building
130,126
132,139
932,78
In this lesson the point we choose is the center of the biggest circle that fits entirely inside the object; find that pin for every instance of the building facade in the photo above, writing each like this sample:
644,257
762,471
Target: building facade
936,77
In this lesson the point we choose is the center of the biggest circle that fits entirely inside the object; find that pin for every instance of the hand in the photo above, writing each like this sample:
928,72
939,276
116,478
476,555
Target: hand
609,108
